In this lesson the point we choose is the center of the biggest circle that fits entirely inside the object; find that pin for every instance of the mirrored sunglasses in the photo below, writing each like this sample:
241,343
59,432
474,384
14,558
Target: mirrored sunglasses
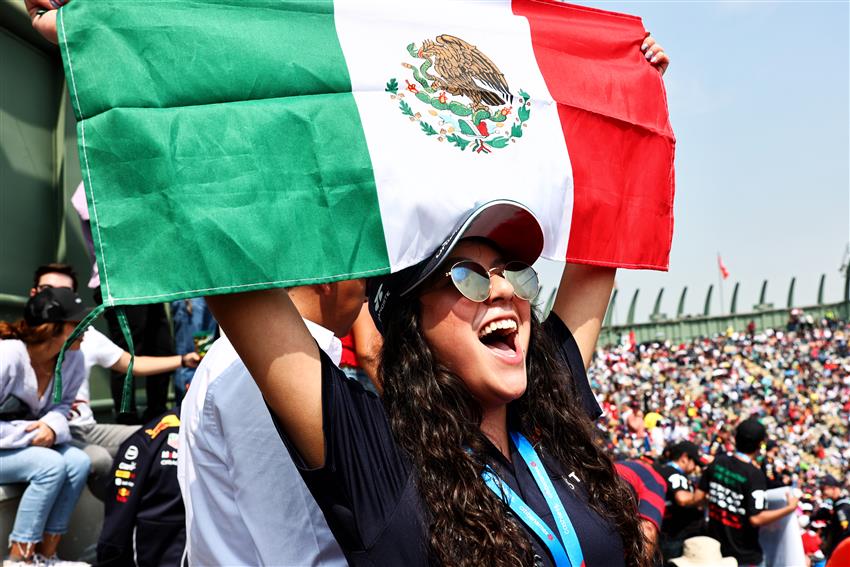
472,280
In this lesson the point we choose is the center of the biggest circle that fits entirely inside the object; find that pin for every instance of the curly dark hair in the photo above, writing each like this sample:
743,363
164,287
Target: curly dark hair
436,421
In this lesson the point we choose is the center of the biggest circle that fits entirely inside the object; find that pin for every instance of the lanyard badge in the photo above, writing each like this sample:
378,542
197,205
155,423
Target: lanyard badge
566,554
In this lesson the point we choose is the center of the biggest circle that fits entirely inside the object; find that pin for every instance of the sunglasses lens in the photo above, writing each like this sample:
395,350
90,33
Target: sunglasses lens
471,280
524,279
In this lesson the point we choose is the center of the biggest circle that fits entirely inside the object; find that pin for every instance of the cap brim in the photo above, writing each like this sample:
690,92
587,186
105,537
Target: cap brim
509,225
77,315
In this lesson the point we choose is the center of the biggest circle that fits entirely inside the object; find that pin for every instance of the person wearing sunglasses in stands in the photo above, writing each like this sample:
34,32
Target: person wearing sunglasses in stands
481,450
34,432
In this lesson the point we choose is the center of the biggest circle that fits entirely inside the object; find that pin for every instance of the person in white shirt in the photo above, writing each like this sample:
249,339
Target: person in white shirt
34,431
246,503
99,441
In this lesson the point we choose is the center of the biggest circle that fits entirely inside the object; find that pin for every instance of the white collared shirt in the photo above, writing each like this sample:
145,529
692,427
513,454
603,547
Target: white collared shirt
246,503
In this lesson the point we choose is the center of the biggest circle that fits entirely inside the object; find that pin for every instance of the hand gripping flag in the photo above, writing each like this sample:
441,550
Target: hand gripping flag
231,146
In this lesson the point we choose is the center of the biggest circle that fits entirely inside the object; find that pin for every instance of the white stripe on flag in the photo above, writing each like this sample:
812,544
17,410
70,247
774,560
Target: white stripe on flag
425,184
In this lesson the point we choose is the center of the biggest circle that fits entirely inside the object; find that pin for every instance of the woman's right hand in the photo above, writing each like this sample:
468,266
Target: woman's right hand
45,437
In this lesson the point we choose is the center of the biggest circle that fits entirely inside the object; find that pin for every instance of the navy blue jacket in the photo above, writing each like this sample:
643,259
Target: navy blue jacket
145,522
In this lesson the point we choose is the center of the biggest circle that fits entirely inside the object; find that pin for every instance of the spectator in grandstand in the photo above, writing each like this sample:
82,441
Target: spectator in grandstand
99,441
34,431
194,326
811,543
735,488
467,374
772,467
360,350
838,527
145,522
246,503
682,517
648,488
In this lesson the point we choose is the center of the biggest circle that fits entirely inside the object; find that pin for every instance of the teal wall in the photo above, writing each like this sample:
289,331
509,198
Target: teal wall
39,167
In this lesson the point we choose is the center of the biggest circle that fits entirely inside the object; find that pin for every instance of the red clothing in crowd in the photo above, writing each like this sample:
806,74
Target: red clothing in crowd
349,356
811,542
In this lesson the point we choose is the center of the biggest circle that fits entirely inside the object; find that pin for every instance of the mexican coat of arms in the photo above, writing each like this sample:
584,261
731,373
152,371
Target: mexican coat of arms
457,94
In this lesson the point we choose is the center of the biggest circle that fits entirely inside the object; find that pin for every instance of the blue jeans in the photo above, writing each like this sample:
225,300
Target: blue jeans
186,324
56,477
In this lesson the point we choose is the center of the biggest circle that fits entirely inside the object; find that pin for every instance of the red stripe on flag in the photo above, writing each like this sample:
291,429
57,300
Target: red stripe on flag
613,112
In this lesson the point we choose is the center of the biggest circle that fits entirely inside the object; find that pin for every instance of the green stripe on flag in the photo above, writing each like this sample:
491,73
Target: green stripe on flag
161,53
263,181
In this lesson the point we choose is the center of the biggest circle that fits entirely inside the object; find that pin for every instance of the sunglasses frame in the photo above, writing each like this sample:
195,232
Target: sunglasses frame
499,271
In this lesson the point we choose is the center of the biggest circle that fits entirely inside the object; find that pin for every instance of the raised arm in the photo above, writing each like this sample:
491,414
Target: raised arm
581,302
267,331
585,290
686,498
769,516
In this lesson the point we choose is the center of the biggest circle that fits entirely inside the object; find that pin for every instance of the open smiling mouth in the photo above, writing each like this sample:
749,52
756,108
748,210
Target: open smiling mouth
501,337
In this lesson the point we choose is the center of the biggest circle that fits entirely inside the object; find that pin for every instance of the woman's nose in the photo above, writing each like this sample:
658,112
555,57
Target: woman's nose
500,288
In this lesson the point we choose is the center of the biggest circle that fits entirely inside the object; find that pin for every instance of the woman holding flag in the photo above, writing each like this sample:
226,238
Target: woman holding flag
482,449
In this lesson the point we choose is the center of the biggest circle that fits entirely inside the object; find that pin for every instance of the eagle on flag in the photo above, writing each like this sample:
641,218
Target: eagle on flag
465,70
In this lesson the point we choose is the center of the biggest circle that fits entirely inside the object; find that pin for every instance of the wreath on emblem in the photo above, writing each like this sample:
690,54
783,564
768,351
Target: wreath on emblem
464,98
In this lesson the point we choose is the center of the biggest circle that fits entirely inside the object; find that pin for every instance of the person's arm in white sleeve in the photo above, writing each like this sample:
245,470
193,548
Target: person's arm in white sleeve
100,351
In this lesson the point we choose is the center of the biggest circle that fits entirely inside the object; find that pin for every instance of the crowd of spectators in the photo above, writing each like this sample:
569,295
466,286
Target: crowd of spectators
796,380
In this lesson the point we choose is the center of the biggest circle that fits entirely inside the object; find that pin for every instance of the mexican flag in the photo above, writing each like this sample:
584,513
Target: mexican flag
247,144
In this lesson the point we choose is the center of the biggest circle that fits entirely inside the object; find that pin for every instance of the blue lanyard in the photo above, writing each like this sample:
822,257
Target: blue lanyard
677,467
743,457
572,555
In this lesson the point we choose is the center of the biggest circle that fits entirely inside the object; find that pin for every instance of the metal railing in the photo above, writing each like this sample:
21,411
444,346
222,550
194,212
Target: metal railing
687,327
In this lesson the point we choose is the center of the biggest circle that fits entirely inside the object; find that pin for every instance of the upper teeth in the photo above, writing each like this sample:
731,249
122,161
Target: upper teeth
495,325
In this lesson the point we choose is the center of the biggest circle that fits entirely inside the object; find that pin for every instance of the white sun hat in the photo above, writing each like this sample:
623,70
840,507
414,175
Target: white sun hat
703,551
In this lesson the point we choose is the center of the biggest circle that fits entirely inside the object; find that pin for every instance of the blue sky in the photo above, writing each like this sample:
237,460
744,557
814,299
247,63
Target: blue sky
758,96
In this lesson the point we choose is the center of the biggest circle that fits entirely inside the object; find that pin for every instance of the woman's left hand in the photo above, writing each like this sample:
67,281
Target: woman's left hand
43,16
45,437
655,54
